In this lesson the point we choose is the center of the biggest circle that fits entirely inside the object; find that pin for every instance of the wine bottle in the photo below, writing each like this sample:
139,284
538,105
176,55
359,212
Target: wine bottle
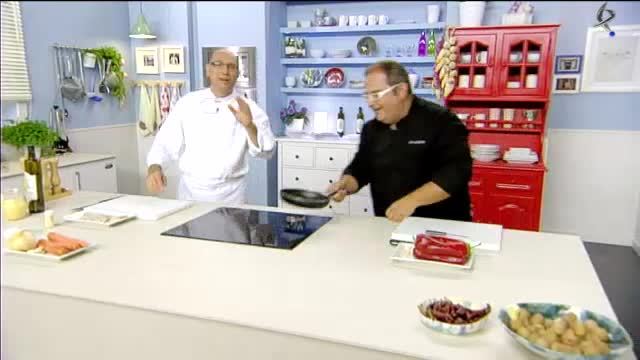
432,44
422,44
33,181
340,124
359,121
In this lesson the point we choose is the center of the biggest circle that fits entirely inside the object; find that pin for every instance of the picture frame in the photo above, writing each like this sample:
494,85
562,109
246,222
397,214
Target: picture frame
566,84
147,61
568,64
173,60
612,64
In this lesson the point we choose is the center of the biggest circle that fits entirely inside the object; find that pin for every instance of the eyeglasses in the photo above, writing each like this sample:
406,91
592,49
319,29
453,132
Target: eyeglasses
218,65
377,95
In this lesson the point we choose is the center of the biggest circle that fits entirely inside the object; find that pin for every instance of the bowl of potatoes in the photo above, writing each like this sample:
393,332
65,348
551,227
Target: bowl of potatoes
556,331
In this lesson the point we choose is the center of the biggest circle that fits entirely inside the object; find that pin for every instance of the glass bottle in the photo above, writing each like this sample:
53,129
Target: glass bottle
422,44
359,121
432,43
340,124
33,181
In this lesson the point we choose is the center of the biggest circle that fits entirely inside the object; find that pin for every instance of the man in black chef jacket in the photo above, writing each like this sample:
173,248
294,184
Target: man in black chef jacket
415,154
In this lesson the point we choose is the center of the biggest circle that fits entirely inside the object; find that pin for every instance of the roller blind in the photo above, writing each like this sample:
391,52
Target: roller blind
14,75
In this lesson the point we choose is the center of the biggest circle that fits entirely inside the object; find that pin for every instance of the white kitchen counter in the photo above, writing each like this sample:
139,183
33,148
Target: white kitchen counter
13,168
321,140
336,288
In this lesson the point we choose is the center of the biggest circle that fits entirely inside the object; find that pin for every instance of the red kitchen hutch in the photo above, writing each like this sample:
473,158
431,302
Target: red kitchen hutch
508,68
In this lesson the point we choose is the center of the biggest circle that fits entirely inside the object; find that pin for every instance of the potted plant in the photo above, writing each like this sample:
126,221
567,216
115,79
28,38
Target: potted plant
30,133
294,120
114,78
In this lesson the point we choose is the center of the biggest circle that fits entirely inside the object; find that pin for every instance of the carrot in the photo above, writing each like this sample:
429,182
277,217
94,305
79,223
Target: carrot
66,241
51,248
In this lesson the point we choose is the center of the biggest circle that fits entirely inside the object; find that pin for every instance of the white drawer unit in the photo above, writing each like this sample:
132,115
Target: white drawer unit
300,156
314,165
331,158
361,205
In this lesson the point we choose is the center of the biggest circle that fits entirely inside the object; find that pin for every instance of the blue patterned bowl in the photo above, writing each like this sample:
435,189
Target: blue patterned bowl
454,329
619,340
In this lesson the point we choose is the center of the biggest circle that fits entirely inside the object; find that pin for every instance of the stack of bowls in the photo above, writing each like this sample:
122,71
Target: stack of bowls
485,152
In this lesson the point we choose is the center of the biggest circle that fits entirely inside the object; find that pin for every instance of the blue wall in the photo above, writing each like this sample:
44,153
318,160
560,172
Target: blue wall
82,24
605,111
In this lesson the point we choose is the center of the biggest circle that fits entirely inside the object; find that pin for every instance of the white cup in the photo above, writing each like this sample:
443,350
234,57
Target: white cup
494,114
413,79
463,81
480,116
373,20
513,84
290,81
343,20
533,57
481,57
433,13
362,20
383,19
508,114
478,81
353,20
465,58
531,81
463,117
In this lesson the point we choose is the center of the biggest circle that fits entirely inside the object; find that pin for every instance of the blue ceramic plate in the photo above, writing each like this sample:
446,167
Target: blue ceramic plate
454,329
619,339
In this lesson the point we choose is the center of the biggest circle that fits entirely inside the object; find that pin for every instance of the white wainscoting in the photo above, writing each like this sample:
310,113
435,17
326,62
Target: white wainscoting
592,185
119,140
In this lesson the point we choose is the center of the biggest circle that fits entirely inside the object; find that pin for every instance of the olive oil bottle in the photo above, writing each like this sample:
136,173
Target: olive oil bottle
359,121
340,124
33,181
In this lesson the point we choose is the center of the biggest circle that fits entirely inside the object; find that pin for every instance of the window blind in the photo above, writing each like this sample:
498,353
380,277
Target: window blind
14,75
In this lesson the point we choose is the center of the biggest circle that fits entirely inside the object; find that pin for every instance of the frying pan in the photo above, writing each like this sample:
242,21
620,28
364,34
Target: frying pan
306,198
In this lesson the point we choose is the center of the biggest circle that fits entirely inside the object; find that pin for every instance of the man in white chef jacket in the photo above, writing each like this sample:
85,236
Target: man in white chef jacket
210,131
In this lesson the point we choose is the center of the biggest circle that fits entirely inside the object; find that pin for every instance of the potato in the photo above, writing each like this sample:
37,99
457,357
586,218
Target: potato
602,334
524,332
557,346
570,318
515,324
591,325
550,336
588,348
579,328
541,341
569,338
601,347
559,326
548,323
537,319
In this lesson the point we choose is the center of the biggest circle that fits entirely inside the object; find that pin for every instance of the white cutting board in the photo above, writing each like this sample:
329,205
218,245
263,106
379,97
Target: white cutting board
142,207
489,235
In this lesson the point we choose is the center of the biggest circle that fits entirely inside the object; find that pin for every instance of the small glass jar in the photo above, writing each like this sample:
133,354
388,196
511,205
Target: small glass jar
14,204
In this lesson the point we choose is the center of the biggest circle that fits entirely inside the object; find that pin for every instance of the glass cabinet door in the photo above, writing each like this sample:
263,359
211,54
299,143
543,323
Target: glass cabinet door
475,64
524,64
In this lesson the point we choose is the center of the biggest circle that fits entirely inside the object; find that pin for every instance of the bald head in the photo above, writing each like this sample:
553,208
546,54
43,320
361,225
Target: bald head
222,72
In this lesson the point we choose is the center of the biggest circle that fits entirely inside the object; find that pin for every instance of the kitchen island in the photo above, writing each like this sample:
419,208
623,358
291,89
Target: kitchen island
141,295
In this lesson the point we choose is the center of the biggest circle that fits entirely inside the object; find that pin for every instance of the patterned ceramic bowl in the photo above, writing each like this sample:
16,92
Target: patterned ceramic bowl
454,329
619,340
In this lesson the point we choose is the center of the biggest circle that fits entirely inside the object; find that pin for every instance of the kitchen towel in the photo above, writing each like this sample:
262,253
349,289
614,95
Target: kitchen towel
155,105
144,113
175,95
164,104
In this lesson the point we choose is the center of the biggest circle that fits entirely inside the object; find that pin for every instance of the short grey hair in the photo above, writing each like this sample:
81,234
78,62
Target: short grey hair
395,72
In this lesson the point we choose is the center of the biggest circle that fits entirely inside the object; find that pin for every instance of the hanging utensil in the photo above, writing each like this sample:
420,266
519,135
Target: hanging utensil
101,69
72,89
81,71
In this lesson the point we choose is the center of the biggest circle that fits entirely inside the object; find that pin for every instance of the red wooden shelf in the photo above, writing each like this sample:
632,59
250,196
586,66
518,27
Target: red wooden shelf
511,130
502,165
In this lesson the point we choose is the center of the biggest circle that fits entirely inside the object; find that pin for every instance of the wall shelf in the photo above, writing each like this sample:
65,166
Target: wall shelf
361,29
341,91
356,60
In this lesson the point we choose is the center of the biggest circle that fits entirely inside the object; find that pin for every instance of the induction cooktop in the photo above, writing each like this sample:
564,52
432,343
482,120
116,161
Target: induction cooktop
251,227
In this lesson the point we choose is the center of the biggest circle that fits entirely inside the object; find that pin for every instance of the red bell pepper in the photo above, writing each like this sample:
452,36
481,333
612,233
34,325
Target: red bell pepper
440,248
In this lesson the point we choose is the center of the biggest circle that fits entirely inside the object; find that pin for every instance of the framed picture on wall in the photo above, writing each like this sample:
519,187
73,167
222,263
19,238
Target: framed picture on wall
173,59
568,64
566,84
147,61
612,64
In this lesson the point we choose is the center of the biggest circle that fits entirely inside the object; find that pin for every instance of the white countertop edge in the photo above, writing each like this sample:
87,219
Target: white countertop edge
286,332
337,141
71,159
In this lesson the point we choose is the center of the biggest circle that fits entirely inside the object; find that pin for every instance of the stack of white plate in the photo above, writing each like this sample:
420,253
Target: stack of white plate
485,152
520,156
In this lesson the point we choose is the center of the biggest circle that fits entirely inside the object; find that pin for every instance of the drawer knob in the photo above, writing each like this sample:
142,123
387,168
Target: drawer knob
108,166
330,206
330,181
366,210
297,178
330,158
297,157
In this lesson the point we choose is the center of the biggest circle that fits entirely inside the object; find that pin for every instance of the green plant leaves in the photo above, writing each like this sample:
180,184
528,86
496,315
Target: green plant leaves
29,133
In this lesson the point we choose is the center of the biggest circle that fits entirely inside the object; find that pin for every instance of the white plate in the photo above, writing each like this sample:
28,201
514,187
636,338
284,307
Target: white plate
47,257
404,255
104,220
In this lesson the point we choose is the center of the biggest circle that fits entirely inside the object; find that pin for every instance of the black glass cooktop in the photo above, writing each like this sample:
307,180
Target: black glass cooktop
251,227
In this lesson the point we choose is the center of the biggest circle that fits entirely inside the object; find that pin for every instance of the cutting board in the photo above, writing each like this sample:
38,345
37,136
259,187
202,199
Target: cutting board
490,235
142,207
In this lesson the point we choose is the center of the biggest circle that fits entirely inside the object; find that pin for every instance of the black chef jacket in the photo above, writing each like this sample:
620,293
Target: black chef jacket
429,144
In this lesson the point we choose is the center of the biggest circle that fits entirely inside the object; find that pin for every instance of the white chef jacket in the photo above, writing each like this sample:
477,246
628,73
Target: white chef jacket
211,146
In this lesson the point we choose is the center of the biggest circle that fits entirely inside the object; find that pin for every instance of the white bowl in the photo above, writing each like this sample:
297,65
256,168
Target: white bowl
317,53
454,329
340,53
